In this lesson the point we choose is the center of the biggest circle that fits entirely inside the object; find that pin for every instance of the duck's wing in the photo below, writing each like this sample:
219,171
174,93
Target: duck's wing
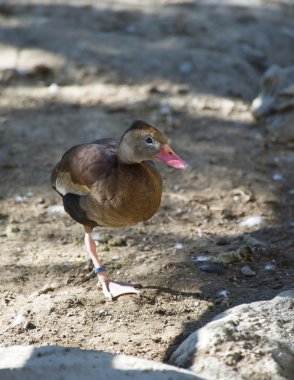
82,165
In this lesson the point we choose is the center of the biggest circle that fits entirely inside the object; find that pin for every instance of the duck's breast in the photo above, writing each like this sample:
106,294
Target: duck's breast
141,191
131,194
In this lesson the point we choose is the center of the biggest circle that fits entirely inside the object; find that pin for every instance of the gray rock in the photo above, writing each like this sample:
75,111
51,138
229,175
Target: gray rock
251,341
277,92
56,363
275,103
212,268
247,271
12,229
117,241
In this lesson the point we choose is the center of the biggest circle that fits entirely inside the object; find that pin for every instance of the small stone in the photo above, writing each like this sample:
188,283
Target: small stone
141,258
147,248
182,89
20,198
115,257
53,88
212,268
222,241
251,221
269,266
19,319
102,238
179,246
223,293
102,312
165,110
117,242
40,70
28,325
46,289
55,209
247,271
200,258
278,177
12,228
30,194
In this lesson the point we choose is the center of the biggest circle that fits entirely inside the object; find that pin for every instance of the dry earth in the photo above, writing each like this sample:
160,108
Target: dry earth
74,71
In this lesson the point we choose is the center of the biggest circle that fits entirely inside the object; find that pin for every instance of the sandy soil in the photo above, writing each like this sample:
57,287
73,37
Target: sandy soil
74,71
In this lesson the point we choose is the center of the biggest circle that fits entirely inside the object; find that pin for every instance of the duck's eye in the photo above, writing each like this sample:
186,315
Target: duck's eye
149,140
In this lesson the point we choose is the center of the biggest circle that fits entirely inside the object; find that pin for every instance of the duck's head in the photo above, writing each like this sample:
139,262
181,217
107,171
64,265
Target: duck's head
143,142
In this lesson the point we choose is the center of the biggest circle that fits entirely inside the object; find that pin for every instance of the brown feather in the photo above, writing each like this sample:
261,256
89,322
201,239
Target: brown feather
112,194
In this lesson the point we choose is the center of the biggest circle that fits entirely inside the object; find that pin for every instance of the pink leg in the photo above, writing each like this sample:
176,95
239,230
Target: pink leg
111,289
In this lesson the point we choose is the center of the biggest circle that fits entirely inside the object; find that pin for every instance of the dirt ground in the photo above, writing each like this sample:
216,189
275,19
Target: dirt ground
73,71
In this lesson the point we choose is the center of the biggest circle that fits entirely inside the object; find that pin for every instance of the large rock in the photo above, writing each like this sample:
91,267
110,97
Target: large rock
277,92
251,341
59,363
275,103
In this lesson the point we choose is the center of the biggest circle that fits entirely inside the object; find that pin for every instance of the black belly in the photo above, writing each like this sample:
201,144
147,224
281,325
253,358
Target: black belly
71,203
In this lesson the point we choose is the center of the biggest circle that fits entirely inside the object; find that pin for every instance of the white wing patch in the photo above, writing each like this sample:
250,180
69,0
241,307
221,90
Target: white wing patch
65,185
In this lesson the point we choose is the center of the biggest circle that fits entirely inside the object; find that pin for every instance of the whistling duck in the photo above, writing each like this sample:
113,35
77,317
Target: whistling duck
110,183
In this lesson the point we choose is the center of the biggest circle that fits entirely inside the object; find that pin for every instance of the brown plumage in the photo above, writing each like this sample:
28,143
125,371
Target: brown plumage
113,183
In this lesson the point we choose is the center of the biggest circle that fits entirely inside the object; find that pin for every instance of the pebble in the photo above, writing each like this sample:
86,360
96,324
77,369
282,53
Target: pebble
102,312
200,258
18,320
55,209
247,271
116,257
242,195
20,199
243,253
141,258
53,88
117,242
212,268
251,221
12,228
182,89
46,289
223,293
222,241
23,198
269,266
278,177
40,70
165,110
102,238
28,325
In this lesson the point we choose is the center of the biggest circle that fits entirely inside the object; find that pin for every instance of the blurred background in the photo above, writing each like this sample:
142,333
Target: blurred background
72,71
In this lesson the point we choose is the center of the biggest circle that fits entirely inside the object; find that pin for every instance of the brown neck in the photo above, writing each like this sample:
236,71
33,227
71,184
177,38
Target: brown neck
126,155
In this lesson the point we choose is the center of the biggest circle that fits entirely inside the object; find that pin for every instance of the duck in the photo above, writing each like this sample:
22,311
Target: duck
114,183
